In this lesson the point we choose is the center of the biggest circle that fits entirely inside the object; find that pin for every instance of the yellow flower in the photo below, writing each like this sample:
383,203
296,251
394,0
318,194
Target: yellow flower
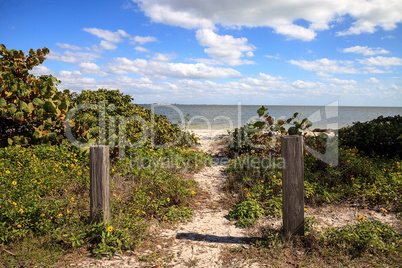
143,212
165,218
21,210
168,199
305,210
68,211
42,215
19,225
14,203
379,229
384,210
14,183
248,194
60,215
274,176
72,199
192,192
110,229
7,172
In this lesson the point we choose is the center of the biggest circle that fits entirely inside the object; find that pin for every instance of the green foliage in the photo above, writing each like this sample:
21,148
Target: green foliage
246,213
37,204
106,239
109,122
33,111
370,181
381,136
366,237
175,214
31,108
263,136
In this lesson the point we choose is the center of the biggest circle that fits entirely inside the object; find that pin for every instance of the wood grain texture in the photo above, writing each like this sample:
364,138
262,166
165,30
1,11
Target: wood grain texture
293,185
99,183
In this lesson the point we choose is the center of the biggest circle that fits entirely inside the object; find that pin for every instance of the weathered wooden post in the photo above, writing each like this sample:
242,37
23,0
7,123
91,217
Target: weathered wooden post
99,183
293,185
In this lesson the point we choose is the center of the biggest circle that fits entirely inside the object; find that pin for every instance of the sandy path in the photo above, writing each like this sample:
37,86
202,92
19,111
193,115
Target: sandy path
197,243
200,242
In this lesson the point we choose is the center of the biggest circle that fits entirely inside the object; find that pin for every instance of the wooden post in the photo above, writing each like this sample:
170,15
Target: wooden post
293,185
99,183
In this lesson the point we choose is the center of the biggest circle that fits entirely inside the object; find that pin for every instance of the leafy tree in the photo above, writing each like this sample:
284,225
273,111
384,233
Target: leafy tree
32,110
112,112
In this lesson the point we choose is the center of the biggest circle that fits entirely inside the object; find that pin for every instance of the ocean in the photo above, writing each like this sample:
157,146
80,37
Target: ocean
232,116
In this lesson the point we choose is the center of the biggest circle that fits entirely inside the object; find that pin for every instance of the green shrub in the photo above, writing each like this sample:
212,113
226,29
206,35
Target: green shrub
246,213
31,108
262,137
107,122
381,136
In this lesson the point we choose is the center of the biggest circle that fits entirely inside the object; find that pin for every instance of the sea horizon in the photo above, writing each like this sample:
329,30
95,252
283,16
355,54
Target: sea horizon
269,105
226,116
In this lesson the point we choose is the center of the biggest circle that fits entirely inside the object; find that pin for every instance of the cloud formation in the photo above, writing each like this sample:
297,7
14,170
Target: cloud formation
225,48
281,15
114,37
366,51
160,69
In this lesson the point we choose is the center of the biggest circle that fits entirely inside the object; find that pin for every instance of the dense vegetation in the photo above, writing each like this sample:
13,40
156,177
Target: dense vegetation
368,173
44,179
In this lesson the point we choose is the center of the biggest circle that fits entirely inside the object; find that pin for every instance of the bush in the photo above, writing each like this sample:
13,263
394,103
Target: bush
31,108
246,213
107,122
381,136
263,136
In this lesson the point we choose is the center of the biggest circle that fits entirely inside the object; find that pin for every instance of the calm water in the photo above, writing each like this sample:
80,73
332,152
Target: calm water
230,116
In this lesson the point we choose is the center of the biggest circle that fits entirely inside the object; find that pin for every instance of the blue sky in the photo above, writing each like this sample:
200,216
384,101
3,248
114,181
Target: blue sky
277,52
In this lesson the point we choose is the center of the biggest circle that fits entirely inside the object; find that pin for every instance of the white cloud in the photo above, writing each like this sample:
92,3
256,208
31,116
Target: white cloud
373,80
341,81
68,46
165,13
295,32
225,48
72,57
160,69
141,49
114,37
382,61
91,68
143,39
277,14
366,51
107,45
276,57
326,65
163,57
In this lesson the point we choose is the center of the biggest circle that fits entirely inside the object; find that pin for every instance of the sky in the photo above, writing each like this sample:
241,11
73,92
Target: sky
272,52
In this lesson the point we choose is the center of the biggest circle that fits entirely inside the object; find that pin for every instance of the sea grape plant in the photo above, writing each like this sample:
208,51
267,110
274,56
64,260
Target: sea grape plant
31,108
263,135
